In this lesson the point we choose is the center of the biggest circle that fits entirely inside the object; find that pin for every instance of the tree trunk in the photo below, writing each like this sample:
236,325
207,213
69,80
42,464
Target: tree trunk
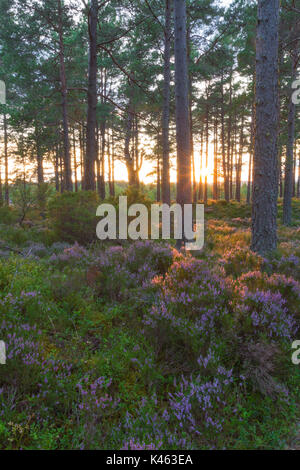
166,193
229,153
265,188
249,179
128,136
240,163
158,192
102,159
184,187
224,165
40,169
289,160
6,185
75,161
215,182
1,193
206,151
91,139
298,182
56,168
64,91
201,192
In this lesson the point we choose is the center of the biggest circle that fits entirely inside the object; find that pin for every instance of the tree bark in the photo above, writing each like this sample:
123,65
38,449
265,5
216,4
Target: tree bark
240,163
206,150
128,136
75,161
56,168
265,188
289,160
215,182
166,192
91,139
184,187
6,183
224,165
64,91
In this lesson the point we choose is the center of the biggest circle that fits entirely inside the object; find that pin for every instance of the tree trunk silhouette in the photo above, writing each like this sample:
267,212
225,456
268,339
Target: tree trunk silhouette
128,136
184,187
6,185
91,138
64,91
166,197
289,160
240,163
265,188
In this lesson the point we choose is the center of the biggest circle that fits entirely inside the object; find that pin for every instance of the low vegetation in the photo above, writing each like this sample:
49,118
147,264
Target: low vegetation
139,346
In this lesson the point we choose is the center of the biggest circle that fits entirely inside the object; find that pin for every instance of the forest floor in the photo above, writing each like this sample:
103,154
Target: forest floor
140,346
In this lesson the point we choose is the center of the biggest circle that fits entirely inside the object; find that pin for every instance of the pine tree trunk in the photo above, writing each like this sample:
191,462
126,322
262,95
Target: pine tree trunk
206,152
56,168
75,161
64,92
298,182
128,137
158,191
224,165
249,179
102,159
229,153
215,182
240,163
265,188
166,196
289,161
6,185
184,187
201,192
91,138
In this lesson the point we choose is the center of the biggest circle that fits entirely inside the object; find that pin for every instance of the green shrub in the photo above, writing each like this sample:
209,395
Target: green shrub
72,216
7,215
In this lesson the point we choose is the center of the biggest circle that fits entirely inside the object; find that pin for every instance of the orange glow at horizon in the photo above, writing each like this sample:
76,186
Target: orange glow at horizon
147,175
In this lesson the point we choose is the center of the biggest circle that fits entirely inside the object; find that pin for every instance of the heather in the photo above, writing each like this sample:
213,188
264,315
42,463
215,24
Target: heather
136,345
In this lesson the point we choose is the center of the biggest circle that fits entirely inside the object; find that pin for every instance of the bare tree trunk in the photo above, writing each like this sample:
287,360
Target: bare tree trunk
102,159
206,151
91,140
184,187
158,191
138,161
265,188
75,161
56,168
249,179
298,182
240,163
215,182
280,172
6,185
166,193
112,163
229,153
62,178
40,169
224,165
1,193
64,92
289,160
201,192
128,136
